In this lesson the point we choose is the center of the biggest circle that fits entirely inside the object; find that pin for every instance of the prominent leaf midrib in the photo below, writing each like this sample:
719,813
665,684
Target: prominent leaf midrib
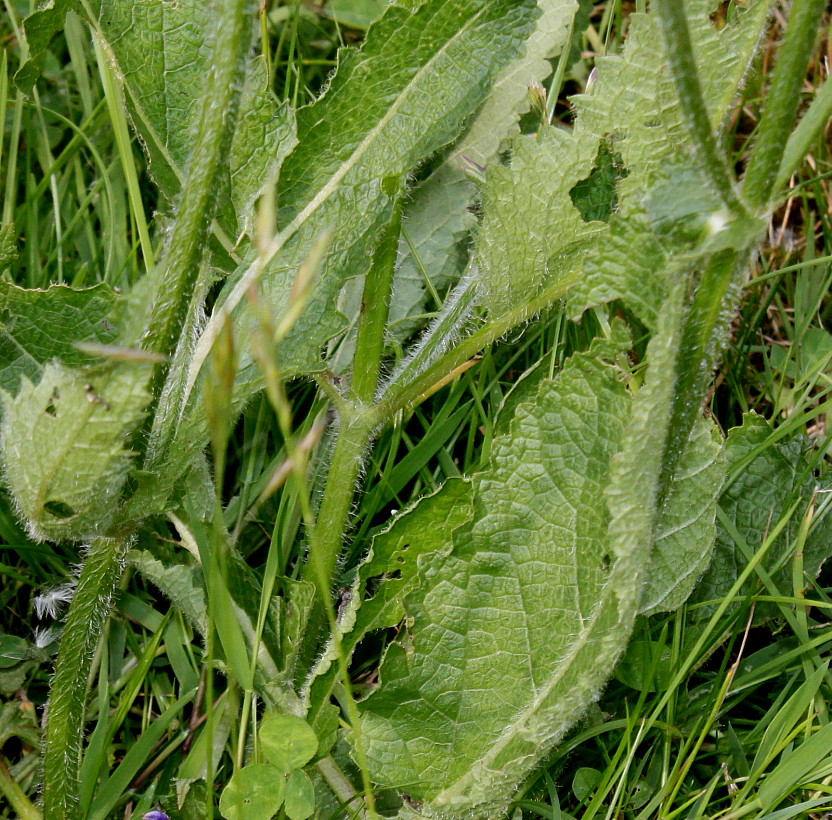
11,337
82,420
215,323
520,720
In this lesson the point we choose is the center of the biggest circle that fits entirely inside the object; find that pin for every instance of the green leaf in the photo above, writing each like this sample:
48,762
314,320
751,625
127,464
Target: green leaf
263,135
687,523
768,477
356,13
37,326
299,599
528,217
181,583
300,796
161,56
532,231
65,446
596,197
41,26
387,575
439,216
12,650
8,245
515,625
254,792
404,95
585,781
287,741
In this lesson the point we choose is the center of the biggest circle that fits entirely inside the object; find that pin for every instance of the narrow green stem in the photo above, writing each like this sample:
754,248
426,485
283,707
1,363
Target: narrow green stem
703,336
781,101
375,307
181,263
65,717
16,796
808,130
679,52
412,384
345,465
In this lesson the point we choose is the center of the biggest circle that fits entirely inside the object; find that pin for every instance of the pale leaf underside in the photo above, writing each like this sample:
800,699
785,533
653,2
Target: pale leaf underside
511,634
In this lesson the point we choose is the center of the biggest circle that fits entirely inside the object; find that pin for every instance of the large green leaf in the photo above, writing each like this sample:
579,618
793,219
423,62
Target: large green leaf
402,96
515,626
37,326
535,224
768,478
585,486
438,216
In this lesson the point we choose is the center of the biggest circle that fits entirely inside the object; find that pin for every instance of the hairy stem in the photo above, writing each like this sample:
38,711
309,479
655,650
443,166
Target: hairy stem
347,455
705,330
185,249
782,100
679,52
65,719
375,307
407,389
808,130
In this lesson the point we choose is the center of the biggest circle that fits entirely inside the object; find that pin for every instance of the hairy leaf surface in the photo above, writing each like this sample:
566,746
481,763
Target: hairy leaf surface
768,478
404,95
532,228
180,582
438,216
64,447
687,523
388,573
37,326
508,635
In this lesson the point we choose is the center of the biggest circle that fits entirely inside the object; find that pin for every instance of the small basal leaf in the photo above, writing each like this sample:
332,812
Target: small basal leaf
287,741
41,26
254,792
300,796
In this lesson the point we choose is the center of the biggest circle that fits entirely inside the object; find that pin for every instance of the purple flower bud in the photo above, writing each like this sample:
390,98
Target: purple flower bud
156,814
